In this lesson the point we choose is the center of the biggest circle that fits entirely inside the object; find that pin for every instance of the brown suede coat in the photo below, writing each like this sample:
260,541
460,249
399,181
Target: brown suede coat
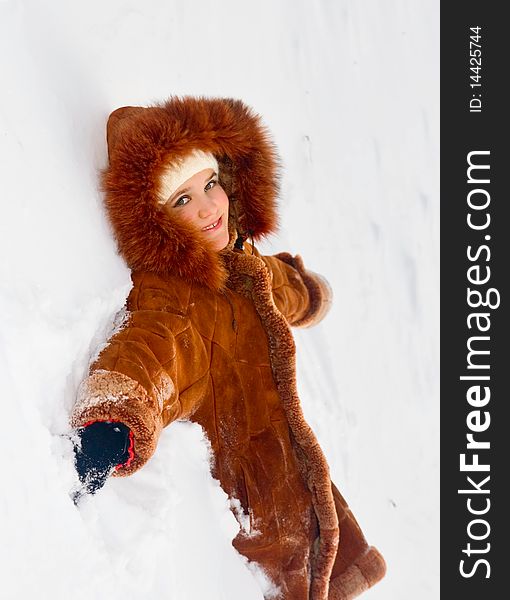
208,339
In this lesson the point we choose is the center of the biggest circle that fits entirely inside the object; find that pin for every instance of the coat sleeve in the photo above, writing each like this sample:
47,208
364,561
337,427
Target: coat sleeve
304,297
136,377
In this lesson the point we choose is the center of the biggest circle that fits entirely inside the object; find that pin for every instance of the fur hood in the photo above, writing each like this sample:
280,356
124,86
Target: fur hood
142,142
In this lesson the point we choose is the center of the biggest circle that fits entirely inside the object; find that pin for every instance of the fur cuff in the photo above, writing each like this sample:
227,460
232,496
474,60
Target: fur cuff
319,290
113,396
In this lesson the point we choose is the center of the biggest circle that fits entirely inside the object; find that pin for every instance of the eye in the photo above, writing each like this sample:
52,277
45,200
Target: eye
182,201
211,184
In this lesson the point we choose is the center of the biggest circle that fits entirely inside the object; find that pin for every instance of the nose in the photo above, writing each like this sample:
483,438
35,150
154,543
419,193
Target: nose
207,207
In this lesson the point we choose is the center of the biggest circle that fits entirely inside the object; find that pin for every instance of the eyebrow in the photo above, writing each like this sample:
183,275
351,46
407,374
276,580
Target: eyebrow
184,190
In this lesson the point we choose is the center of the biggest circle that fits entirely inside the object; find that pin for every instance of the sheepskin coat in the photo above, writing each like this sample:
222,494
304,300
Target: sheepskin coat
208,339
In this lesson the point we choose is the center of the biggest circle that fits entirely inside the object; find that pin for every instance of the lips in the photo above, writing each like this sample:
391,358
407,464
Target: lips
213,226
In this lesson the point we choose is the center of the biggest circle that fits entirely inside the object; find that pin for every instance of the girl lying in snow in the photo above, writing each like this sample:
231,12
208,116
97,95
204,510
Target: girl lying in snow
208,339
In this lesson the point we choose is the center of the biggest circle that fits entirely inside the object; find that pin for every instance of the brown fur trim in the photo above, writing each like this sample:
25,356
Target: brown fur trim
283,363
366,571
112,396
320,292
143,141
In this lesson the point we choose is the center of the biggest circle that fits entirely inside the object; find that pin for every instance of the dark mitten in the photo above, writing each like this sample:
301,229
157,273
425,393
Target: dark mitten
104,445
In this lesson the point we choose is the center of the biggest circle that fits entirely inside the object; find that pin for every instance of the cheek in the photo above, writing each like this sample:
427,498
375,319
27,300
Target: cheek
218,195
224,201
186,213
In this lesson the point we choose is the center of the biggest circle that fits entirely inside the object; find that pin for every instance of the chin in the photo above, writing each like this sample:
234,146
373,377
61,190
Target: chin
222,241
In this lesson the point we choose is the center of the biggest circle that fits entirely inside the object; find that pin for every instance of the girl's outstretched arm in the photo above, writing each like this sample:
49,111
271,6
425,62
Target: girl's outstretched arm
137,378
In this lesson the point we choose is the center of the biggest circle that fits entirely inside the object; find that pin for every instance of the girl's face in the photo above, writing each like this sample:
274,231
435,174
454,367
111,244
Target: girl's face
201,200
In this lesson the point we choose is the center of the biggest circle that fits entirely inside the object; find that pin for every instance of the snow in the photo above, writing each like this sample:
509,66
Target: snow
349,89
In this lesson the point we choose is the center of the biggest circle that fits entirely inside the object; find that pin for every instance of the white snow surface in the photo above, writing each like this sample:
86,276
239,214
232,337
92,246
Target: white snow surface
350,90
